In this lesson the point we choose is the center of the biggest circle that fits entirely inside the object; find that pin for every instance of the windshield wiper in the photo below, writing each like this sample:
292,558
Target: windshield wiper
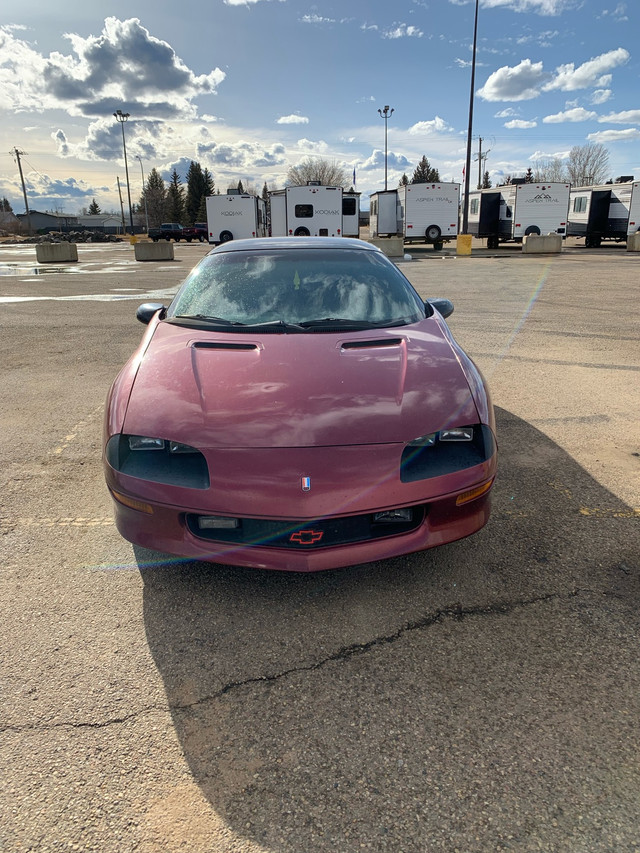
206,318
351,324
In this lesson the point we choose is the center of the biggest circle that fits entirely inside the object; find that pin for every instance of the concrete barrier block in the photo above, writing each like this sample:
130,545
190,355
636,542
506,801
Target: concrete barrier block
463,244
542,244
393,247
633,242
56,253
162,251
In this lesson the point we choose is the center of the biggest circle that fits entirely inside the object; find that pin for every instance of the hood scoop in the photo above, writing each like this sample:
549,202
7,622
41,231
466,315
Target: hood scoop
223,345
383,342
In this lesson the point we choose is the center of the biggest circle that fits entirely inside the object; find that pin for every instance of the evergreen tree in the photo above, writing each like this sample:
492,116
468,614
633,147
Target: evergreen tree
529,176
175,209
240,187
404,180
195,192
486,183
94,208
156,193
5,206
265,192
424,173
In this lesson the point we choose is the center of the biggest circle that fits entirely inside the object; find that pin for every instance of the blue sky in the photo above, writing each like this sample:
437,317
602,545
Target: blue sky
251,87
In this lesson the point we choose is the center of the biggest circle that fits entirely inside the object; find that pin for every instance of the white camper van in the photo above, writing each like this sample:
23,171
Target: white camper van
233,216
430,212
385,215
604,212
511,212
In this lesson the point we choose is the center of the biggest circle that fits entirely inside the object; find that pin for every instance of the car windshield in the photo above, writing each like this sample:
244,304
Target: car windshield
297,286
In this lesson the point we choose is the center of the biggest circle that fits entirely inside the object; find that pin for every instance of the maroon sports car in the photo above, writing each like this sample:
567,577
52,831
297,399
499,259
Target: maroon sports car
298,407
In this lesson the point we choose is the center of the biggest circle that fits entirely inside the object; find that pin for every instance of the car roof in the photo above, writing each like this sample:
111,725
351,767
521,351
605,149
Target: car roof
253,244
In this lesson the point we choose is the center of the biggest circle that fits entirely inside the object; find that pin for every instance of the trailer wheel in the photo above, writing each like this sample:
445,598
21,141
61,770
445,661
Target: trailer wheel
225,236
493,242
301,232
433,233
532,229
437,246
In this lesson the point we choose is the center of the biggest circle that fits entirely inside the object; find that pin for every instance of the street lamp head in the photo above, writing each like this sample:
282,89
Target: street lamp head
120,115
386,111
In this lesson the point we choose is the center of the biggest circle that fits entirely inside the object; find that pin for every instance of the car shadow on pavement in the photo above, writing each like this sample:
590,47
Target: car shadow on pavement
481,694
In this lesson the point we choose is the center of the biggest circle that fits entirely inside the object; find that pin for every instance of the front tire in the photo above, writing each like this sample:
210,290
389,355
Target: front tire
225,236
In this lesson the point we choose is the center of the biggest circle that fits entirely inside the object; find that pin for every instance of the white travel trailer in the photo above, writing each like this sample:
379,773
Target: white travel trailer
604,212
233,216
309,211
512,212
385,214
429,212
350,214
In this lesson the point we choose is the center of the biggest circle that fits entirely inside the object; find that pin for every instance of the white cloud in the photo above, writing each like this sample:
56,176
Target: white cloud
124,66
625,117
576,114
568,78
519,83
316,19
600,96
506,113
293,119
519,124
542,7
436,125
399,31
629,135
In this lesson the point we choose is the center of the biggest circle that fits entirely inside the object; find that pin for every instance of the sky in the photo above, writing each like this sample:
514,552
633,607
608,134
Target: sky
248,88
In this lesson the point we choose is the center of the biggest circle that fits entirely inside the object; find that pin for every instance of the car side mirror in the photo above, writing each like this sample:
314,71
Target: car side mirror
444,306
147,310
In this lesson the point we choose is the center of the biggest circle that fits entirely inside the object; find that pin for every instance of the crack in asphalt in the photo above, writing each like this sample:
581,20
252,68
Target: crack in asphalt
454,612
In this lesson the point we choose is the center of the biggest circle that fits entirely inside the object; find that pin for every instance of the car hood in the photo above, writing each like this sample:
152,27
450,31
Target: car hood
216,389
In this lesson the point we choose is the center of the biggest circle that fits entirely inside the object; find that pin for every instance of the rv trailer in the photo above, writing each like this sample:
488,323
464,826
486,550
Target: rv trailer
233,216
514,211
309,211
430,212
385,216
350,214
604,212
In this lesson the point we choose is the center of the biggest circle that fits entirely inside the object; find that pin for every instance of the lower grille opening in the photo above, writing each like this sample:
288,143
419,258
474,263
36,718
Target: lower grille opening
309,534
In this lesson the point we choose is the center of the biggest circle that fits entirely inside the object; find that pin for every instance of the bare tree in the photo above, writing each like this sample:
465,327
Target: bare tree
585,165
552,169
328,173
588,164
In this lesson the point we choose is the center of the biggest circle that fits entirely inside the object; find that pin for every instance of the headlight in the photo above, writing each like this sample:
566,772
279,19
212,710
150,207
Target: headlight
443,452
158,460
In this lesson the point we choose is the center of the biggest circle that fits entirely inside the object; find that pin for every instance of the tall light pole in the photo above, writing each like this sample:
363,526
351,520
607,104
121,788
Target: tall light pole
467,176
385,113
122,117
144,193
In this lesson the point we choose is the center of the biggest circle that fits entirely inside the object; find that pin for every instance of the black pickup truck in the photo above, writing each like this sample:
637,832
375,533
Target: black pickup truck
167,231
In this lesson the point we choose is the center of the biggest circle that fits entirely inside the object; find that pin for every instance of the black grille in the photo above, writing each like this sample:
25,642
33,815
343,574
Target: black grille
310,534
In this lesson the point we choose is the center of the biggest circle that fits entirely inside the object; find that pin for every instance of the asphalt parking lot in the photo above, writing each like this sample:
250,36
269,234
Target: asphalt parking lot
484,696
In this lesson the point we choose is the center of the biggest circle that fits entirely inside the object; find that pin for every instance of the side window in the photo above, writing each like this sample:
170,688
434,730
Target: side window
475,204
580,204
348,207
303,211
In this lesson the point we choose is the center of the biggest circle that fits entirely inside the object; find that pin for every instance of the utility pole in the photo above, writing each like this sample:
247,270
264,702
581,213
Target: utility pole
467,176
24,189
481,159
124,227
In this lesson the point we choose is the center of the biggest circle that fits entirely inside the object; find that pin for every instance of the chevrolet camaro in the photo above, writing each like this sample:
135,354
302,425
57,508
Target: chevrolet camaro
298,407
